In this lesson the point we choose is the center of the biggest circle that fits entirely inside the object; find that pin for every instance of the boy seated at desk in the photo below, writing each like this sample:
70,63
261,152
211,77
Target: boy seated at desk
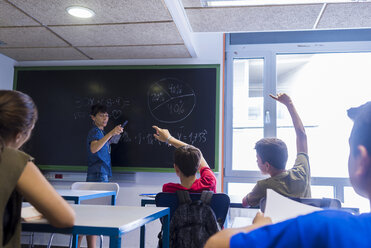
272,156
327,228
187,161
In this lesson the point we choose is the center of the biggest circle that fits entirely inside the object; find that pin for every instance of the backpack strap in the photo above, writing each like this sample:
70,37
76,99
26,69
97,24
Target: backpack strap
183,197
206,196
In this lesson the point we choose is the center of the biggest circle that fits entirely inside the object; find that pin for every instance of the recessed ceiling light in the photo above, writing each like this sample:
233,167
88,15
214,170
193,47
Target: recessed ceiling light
226,3
80,12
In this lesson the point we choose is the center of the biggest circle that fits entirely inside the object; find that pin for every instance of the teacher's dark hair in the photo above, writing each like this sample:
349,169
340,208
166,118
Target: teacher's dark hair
18,114
98,108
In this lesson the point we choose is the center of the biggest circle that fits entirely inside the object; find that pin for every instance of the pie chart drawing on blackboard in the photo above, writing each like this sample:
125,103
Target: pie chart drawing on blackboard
170,100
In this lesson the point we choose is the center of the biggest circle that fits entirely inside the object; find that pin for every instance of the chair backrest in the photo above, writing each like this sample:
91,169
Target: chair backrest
96,186
329,203
219,203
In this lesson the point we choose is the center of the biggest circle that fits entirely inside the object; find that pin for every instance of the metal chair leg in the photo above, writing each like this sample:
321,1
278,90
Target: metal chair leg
30,244
50,240
71,238
101,241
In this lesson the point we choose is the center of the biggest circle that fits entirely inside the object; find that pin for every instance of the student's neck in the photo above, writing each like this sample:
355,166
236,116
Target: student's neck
100,127
187,182
275,172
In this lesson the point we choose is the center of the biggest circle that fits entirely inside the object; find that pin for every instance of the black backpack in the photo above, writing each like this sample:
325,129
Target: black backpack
193,222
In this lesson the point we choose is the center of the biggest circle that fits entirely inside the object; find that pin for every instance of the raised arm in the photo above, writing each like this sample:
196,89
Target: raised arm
164,135
301,137
96,145
38,191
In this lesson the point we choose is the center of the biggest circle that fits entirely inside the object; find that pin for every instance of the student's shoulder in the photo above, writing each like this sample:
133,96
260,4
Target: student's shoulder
13,155
172,187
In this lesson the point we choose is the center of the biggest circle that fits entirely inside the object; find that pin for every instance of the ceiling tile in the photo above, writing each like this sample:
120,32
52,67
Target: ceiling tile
239,19
36,54
53,12
346,15
137,52
11,16
124,34
30,37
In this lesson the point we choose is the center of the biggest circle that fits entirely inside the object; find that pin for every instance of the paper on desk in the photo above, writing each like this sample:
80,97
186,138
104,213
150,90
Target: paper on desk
30,213
280,208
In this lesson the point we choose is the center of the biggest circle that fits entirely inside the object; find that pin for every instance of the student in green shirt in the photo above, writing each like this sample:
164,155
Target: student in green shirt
272,156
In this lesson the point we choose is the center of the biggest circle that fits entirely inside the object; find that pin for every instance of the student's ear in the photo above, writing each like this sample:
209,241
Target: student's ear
267,167
364,162
176,169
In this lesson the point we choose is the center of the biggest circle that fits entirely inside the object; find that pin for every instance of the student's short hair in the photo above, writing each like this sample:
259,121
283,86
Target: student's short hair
188,159
361,132
273,151
98,108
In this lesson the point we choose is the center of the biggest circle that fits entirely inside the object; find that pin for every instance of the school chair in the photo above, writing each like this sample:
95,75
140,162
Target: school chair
219,204
329,203
91,186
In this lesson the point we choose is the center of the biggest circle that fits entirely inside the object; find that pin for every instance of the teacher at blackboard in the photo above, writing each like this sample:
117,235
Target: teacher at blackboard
98,146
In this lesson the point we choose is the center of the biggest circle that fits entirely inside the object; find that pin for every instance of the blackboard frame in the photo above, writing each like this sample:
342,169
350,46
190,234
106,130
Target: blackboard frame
78,168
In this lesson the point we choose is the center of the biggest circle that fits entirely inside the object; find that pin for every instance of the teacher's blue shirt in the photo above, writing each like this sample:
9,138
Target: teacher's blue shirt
99,162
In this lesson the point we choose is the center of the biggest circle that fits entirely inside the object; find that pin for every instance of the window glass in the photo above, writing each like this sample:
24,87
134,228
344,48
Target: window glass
237,191
319,191
247,112
352,199
323,87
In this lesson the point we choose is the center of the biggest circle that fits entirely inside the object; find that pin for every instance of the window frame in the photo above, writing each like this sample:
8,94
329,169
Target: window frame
269,51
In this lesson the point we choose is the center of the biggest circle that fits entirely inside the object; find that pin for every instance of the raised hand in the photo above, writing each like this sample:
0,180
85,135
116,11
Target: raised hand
282,98
162,135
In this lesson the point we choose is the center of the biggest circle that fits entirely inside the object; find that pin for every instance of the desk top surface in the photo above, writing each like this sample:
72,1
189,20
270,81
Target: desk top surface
106,216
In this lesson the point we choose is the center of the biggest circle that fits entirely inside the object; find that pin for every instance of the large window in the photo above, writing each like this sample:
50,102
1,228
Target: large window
323,87
323,81
247,111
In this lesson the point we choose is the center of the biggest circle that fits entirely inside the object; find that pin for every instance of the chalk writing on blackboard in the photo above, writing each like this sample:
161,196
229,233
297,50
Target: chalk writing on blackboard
171,100
115,106
141,138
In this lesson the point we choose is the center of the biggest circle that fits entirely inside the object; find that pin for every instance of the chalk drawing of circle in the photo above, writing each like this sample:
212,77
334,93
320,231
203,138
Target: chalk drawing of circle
170,100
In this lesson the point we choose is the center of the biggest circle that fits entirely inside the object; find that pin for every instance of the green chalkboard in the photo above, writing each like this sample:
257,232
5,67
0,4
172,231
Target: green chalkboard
183,99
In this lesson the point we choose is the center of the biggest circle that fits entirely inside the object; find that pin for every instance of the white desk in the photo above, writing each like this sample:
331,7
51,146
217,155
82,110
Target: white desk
112,221
80,195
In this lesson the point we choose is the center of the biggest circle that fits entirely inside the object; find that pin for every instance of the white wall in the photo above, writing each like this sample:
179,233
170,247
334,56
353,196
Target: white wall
6,72
209,49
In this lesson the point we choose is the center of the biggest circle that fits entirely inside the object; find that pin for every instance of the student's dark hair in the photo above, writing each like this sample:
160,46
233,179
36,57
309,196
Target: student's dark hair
18,114
361,132
188,159
98,108
273,151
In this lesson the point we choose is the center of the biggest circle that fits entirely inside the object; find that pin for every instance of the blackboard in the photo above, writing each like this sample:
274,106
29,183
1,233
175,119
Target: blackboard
183,99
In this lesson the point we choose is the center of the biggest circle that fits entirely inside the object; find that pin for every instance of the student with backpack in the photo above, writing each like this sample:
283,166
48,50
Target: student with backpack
187,161
192,222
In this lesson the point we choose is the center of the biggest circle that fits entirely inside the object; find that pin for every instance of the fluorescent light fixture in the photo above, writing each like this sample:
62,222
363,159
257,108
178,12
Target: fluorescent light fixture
228,3
80,12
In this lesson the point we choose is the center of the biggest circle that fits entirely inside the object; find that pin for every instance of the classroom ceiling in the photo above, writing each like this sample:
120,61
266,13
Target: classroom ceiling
39,30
